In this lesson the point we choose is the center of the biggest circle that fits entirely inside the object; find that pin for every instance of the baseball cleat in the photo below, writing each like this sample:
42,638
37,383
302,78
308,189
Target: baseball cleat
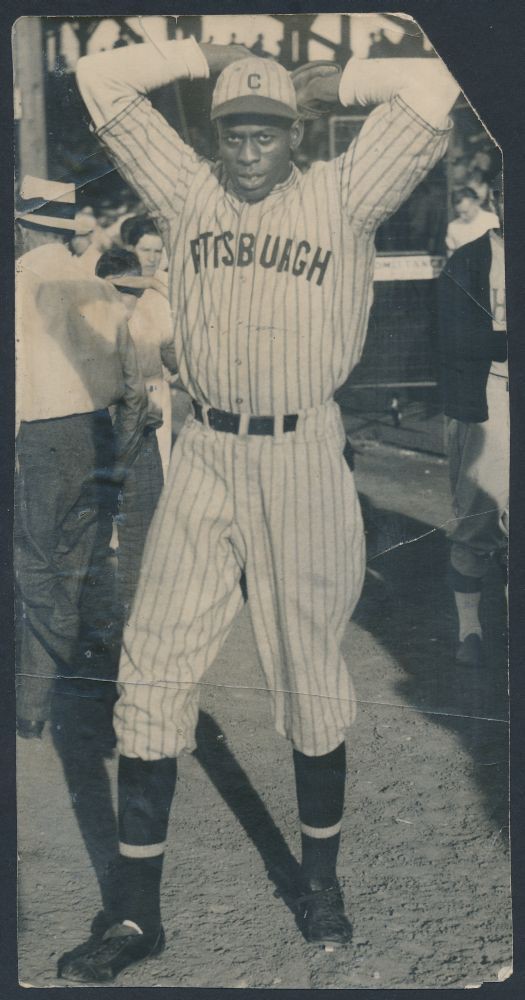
470,651
101,959
322,919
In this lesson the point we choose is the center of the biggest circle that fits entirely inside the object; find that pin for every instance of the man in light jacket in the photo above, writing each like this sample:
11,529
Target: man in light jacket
75,358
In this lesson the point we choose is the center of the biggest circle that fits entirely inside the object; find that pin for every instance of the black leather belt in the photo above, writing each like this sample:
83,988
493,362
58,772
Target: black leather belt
229,423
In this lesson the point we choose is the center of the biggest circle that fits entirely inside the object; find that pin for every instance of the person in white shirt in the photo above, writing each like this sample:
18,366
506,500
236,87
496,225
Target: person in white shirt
74,359
472,221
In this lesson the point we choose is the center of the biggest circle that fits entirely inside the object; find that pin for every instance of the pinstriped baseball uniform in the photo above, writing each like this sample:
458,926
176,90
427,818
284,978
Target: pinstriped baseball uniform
286,509
271,301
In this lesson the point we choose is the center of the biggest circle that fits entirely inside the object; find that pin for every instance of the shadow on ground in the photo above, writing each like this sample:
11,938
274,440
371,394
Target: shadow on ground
233,784
83,738
409,609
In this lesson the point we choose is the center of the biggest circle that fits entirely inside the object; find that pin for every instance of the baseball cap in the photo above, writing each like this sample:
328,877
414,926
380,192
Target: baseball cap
259,86
46,204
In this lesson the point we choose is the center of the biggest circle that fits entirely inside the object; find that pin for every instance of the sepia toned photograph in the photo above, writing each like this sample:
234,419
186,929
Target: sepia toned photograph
261,508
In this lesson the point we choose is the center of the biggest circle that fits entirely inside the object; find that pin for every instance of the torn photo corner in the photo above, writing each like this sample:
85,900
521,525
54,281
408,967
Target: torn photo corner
261,507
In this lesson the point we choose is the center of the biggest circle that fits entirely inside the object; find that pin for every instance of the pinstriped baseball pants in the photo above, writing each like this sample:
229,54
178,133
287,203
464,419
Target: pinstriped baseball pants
285,509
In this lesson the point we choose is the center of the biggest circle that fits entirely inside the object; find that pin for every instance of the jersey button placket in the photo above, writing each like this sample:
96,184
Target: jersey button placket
240,300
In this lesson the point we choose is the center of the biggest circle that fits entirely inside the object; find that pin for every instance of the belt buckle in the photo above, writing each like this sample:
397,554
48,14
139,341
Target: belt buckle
244,424
262,426
219,420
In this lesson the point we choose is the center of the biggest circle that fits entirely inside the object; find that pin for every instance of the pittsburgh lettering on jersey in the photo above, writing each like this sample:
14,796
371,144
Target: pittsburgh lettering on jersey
225,250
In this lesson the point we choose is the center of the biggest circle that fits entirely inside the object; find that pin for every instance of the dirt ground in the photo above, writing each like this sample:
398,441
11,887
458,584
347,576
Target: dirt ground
424,858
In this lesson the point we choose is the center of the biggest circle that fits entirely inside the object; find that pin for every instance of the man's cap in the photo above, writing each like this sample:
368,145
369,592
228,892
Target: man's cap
46,204
256,86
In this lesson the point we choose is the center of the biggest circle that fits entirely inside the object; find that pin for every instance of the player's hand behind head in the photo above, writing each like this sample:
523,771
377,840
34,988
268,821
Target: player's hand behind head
220,56
317,87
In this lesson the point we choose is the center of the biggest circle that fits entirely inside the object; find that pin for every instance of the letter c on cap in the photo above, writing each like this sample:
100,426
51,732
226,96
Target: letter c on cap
254,81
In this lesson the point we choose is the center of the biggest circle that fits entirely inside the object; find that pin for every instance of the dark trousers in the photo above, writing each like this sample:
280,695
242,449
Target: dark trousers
139,498
63,511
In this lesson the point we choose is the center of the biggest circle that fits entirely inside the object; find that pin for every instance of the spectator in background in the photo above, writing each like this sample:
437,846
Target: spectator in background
482,159
140,235
149,320
459,172
83,245
112,212
472,221
479,183
126,227
474,381
85,225
116,265
257,48
95,233
75,358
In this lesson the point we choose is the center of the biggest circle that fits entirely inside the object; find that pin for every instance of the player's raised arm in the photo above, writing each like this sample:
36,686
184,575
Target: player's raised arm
401,140
425,85
149,153
110,81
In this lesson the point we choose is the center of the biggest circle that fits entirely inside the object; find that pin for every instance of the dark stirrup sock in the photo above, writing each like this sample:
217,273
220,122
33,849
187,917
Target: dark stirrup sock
136,892
145,793
320,783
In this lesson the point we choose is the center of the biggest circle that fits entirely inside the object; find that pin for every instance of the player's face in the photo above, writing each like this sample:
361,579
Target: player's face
257,155
149,251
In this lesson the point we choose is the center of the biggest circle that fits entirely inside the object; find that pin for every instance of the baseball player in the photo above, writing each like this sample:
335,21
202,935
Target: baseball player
271,276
